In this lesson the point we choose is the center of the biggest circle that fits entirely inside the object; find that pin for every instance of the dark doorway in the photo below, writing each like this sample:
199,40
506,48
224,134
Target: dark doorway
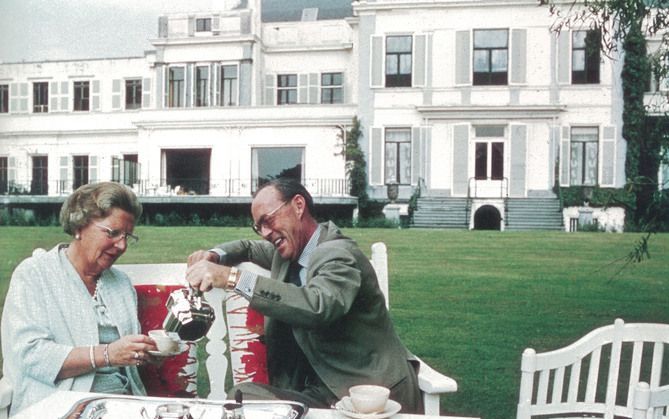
189,169
487,218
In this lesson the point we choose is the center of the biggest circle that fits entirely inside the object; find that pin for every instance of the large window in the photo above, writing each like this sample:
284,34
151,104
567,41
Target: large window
175,92
203,24
489,161
286,89
133,94
228,85
491,57
331,88
80,171
202,86
398,156
40,181
274,162
4,172
398,61
583,156
40,97
585,57
4,98
81,95
125,170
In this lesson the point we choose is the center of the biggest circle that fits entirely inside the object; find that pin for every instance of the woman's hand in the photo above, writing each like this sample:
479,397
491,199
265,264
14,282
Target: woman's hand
131,350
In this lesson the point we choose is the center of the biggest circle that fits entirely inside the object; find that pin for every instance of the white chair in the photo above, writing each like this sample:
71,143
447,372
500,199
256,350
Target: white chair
595,375
5,397
651,403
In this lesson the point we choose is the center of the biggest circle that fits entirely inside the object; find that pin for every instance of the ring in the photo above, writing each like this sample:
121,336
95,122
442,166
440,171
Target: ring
136,356
138,362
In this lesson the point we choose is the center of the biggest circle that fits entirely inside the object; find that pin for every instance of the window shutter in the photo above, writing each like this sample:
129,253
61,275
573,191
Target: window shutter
116,94
460,159
215,71
245,84
162,27
95,95
608,159
269,89
92,169
564,157
518,56
302,88
18,97
23,104
463,59
216,24
564,53
419,61
313,88
53,96
517,172
416,161
160,86
376,157
146,93
11,170
376,60
191,26
426,145
64,96
189,86
64,166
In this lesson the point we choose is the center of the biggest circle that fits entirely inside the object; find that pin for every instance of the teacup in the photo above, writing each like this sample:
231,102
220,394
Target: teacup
369,398
166,342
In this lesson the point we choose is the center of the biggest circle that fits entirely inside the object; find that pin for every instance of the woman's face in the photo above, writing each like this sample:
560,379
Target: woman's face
97,248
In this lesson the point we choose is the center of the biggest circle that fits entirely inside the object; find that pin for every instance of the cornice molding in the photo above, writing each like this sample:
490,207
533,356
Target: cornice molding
490,112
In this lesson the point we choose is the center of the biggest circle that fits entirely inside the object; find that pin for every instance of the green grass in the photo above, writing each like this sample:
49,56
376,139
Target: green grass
466,302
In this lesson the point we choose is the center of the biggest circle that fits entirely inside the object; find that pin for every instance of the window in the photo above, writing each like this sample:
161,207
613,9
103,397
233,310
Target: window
203,24
491,57
287,89
125,170
202,86
40,97
585,57
40,181
273,162
228,95
133,94
81,95
398,61
583,156
331,88
80,171
4,98
175,92
398,156
4,175
489,152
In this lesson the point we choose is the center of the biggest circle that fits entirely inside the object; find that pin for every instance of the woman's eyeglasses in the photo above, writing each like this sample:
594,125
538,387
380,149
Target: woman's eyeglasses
117,235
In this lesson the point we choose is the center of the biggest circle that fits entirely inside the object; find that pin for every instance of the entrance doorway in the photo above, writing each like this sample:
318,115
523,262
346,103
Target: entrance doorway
187,168
487,218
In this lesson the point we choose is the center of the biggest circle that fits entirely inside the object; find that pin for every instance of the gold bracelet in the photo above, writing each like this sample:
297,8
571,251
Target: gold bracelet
91,356
232,278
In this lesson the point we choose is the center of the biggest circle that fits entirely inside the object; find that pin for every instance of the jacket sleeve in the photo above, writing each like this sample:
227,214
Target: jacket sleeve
259,252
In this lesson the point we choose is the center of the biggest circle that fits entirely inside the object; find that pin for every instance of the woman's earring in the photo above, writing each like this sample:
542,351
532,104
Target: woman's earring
77,236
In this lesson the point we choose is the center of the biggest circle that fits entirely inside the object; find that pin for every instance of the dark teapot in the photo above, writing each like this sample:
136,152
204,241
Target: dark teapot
188,314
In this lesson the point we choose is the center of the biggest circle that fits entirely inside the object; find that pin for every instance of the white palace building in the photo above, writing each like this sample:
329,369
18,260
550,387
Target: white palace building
477,103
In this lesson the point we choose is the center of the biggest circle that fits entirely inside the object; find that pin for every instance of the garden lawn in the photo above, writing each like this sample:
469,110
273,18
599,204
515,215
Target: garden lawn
467,302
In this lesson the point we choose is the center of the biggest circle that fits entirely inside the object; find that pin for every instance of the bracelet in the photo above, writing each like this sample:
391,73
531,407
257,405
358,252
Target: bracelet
232,278
106,355
91,356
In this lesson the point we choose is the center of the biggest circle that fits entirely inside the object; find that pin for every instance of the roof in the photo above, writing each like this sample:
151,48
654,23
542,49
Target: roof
291,10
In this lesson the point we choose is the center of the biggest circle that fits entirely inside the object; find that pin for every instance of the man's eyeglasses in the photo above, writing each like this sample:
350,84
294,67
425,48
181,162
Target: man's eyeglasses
266,220
117,235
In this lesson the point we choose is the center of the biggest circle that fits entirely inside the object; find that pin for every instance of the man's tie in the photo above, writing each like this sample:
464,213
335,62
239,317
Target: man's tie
294,274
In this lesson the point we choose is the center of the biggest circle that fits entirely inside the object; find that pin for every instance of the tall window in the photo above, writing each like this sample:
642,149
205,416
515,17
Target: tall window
585,57
273,162
398,61
491,57
40,181
133,94
286,89
81,95
398,155
80,171
40,97
489,160
125,170
4,98
4,176
583,156
202,86
228,85
175,93
203,24
331,88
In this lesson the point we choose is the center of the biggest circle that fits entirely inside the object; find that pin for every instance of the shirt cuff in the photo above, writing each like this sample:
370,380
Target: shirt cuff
246,284
220,252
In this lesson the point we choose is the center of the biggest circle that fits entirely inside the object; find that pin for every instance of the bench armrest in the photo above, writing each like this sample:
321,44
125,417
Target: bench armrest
433,382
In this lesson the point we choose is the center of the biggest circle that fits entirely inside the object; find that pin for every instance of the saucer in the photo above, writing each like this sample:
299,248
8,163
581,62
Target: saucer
182,348
345,407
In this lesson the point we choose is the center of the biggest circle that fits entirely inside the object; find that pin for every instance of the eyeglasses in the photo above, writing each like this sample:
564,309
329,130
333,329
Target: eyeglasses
266,220
117,235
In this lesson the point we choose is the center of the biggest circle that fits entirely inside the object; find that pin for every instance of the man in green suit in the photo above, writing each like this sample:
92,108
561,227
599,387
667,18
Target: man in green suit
326,323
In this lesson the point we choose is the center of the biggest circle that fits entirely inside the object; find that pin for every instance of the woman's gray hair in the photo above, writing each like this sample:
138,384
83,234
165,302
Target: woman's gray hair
97,200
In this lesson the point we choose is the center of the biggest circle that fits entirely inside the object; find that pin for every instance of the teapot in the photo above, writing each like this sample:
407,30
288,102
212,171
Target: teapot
188,314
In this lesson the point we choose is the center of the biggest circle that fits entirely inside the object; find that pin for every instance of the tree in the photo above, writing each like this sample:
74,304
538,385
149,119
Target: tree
356,166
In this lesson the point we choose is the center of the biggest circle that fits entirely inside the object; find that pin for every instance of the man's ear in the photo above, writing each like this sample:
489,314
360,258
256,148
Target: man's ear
300,204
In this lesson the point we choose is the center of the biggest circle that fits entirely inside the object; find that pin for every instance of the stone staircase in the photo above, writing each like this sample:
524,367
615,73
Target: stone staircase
441,212
534,214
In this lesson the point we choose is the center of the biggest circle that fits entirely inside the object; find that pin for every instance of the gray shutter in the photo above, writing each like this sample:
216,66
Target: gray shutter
302,88
24,97
162,27
416,162
426,152
564,70
517,172
64,163
191,26
53,96
95,96
270,90
245,22
146,93
92,169
518,56
463,58
564,157
64,96
189,86
161,88
460,159
376,157
376,67
608,158
216,24
116,94
313,88
419,63
11,170
245,85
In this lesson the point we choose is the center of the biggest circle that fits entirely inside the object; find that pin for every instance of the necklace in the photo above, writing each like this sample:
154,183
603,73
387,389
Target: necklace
95,293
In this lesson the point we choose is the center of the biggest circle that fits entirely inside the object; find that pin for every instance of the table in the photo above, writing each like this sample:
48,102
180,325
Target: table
59,403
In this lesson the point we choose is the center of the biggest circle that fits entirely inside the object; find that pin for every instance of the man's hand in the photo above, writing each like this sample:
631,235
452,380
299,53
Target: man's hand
199,255
205,275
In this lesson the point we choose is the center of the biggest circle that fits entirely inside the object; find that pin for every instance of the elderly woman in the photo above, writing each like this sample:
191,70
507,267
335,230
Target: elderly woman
70,319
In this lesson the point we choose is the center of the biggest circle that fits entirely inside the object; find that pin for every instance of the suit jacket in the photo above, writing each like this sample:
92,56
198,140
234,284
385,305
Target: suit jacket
338,319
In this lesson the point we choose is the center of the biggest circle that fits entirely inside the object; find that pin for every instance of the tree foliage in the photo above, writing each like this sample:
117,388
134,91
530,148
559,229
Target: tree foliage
356,165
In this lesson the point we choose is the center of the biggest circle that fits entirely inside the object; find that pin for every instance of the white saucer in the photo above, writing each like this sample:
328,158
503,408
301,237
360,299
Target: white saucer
345,407
182,348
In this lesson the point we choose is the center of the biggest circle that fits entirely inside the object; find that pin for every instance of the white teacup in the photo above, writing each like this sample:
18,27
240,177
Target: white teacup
166,342
369,398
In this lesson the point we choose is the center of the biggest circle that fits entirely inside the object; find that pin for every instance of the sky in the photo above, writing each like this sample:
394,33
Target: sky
38,30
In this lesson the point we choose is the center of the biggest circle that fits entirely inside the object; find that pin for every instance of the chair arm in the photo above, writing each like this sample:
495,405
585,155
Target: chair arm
5,397
433,382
